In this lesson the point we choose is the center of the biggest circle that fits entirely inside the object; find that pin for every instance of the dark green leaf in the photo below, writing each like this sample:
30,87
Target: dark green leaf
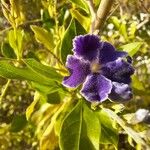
7,51
71,129
54,98
18,123
73,29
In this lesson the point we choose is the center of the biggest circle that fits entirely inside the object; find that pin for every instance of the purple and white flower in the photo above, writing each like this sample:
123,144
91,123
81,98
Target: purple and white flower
103,71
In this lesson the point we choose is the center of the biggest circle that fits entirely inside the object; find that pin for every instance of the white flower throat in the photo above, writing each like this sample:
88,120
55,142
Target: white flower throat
95,67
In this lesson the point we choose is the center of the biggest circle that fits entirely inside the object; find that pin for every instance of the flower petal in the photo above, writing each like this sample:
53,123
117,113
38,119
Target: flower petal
120,92
96,88
86,46
78,68
108,53
118,71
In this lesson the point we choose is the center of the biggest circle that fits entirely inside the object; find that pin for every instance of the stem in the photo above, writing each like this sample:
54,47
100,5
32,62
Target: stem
91,7
112,11
93,13
4,90
23,24
102,13
58,60
143,23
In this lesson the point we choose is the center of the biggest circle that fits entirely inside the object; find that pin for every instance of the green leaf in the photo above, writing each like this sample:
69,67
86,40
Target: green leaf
31,107
115,21
71,129
78,130
81,4
133,134
43,36
8,70
73,29
137,84
131,48
109,134
18,123
16,41
54,98
47,71
12,41
20,40
84,21
67,108
123,30
7,51
91,130
45,89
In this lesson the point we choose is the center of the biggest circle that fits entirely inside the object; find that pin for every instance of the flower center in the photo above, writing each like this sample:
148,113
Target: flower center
95,67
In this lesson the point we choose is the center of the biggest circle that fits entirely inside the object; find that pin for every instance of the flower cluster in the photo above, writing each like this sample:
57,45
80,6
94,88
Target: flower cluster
104,72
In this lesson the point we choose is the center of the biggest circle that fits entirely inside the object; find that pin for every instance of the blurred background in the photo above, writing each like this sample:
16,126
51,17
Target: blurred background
128,22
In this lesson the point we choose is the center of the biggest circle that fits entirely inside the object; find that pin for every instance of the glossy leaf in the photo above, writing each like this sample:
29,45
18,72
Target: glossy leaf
16,41
45,89
73,29
30,109
12,41
47,71
84,21
79,131
123,30
46,118
131,48
81,4
59,120
91,130
71,129
49,142
43,36
8,70
109,134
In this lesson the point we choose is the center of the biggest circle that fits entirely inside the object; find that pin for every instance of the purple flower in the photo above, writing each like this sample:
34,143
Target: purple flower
104,72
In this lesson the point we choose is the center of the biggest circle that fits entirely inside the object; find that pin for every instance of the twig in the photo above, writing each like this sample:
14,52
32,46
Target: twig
143,23
23,24
4,90
101,14
91,7
93,13
113,11
142,4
